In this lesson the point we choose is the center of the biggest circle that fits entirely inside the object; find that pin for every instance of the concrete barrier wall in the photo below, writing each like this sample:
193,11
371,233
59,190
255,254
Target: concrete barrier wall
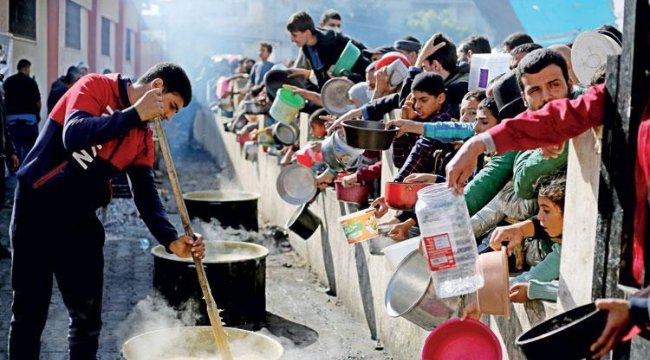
358,278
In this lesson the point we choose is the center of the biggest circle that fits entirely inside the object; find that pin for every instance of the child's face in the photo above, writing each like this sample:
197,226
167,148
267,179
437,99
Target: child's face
550,216
318,130
427,104
468,110
484,120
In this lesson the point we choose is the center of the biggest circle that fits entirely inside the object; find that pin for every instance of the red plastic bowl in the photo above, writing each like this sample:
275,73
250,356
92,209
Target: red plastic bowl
402,196
457,339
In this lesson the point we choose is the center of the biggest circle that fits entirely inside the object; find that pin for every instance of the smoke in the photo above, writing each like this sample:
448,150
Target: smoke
212,231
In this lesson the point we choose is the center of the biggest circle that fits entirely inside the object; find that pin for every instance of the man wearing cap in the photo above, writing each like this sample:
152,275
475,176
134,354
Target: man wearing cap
376,53
409,46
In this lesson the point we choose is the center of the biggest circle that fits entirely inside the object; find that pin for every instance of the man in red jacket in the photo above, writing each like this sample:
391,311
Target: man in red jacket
555,123
99,127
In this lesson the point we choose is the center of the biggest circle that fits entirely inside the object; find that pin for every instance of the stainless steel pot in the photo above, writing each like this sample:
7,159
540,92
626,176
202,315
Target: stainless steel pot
252,107
197,342
411,295
285,134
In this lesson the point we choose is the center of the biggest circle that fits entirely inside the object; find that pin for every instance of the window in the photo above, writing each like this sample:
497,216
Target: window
106,36
22,18
72,25
129,35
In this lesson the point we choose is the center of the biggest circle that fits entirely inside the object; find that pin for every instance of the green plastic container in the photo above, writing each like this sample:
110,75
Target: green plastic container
347,59
286,106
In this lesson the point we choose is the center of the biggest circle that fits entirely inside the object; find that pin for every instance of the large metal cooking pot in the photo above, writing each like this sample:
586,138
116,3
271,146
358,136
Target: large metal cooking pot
338,154
410,294
235,270
368,135
566,336
231,208
402,196
197,342
303,222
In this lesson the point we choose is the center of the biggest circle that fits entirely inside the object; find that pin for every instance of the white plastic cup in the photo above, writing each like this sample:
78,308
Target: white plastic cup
396,253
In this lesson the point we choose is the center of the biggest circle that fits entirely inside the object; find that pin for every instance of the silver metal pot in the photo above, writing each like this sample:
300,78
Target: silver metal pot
285,134
411,295
377,245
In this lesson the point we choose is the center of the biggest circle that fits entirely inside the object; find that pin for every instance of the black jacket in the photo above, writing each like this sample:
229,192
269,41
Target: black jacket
329,47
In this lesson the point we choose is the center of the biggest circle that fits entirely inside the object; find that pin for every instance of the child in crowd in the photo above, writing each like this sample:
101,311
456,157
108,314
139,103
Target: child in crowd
469,105
538,282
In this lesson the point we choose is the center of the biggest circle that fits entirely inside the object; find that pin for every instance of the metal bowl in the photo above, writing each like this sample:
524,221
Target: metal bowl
296,184
368,135
285,134
335,96
410,294
274,79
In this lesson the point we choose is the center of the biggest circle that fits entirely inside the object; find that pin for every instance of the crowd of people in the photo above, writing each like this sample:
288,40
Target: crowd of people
483,143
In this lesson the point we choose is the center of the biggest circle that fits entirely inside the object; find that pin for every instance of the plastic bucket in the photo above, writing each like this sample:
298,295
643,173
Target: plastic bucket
347,59
286,106
396,253
359,226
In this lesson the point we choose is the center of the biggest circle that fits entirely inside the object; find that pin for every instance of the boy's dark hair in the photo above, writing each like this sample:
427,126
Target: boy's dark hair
490,104
72,75
479,95
477,44
300,21
23,63
539,59
446,56
552,187
314,118
428,82
174,79
515,39
266,45
330,14
525,48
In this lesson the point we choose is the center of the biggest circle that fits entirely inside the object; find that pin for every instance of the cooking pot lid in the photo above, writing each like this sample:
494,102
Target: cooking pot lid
296,184
457,339
589,52
335,96
285,133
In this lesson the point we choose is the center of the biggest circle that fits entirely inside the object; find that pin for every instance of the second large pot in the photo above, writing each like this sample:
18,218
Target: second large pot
231,208
235,270
411,295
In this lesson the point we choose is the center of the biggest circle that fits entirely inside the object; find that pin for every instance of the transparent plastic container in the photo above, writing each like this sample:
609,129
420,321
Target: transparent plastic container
448,241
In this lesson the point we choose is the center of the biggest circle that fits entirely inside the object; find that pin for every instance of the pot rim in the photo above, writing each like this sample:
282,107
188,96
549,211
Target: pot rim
350,125
160,252
573,323
246,196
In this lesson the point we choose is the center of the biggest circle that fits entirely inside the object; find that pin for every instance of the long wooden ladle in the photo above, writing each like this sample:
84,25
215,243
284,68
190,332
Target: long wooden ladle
213,312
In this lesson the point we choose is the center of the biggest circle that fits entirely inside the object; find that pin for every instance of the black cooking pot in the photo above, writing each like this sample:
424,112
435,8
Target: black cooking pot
368,135
303,222
231,208
236,272
274,79
566,336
